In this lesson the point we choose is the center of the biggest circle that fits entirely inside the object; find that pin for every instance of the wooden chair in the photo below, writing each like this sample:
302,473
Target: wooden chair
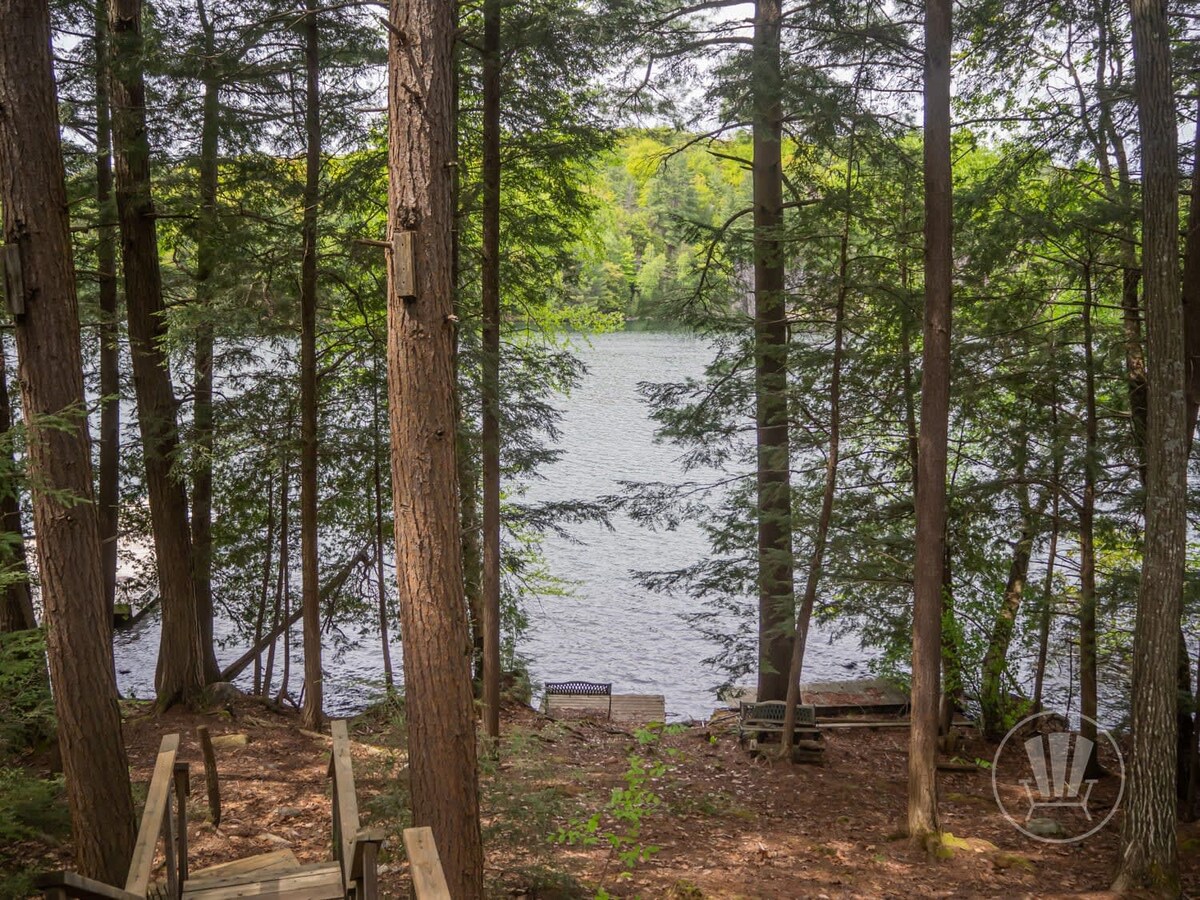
352,875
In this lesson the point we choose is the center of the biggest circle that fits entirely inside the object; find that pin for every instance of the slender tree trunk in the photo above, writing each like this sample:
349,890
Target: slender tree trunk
952,652
935,413
468,472
181,651
202,404
437,650
993,700
776,588
388,676
1087,546
313,715
820,539
281,581
1191,293
472,550
16,607
490,382
110,355
268,554
1150,856
33,198
1039,674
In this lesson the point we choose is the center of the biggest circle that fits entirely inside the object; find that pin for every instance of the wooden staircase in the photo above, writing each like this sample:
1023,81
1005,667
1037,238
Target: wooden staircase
351,874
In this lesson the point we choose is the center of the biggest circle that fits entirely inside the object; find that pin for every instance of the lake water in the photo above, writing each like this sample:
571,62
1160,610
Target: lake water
608,627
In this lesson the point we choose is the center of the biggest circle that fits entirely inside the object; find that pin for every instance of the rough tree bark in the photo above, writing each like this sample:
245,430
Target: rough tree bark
1149,857
437,651
313,714
776,586
180,672
935,413
110,354
33,197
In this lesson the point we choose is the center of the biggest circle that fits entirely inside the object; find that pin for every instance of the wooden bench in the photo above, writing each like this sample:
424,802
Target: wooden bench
578,696
351,874
766,718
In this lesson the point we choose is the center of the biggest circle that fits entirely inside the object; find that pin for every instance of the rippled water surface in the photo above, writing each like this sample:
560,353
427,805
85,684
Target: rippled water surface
611,628
608,628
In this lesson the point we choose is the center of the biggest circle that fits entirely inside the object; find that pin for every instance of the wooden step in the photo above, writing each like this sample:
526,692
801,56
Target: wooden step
261,865
322,881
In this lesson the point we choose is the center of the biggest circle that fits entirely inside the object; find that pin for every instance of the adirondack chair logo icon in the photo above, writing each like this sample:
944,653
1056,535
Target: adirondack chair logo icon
1044,791
1052,786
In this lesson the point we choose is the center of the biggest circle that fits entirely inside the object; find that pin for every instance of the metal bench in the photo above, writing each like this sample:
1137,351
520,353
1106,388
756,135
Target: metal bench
587,696
766,717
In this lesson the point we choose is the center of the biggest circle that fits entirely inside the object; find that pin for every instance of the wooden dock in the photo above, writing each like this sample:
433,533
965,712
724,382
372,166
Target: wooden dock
633,709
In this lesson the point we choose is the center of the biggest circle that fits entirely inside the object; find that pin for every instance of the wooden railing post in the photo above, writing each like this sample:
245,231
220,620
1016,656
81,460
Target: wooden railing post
182,789
168,835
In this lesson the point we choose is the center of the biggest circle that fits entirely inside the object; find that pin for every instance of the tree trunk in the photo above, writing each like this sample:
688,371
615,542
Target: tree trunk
313,715
16,608
281,578
1087,546
110,354
776,588
181,655
437,651
993,697
33,197
1191,293
202,404
468,472
388,676
1039,674
935,413
1150,856
816,559
490,381
268,555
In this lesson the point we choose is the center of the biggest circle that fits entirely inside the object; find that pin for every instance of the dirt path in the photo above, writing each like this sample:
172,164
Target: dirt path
720,823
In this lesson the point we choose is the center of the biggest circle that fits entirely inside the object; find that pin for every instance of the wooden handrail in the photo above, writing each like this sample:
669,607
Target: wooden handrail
356,848
63,885
424,865
155,818
345,801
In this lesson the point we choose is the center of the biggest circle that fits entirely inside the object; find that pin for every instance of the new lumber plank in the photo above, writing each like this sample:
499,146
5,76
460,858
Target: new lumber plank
142,864
275,863
69,884
425,866
323,882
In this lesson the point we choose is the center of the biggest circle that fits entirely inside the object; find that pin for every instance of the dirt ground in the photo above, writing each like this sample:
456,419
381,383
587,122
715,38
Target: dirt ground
713,821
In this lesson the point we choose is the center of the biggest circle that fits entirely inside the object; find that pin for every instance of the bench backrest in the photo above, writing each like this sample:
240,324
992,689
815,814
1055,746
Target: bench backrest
773,711
585,688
